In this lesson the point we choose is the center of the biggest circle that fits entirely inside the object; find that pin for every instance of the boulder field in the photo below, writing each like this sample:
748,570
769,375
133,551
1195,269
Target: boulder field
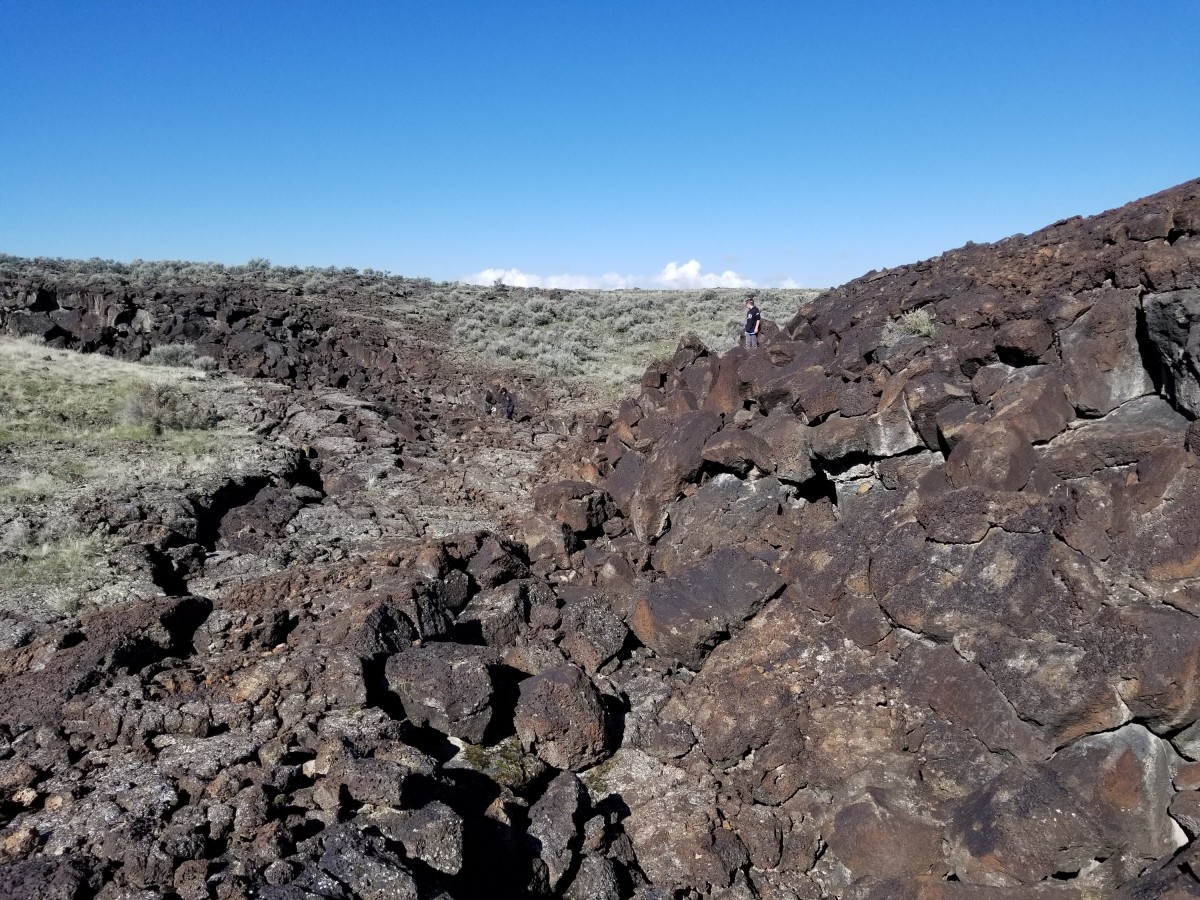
904,604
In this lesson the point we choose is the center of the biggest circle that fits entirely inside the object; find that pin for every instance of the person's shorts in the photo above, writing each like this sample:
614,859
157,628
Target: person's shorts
751,340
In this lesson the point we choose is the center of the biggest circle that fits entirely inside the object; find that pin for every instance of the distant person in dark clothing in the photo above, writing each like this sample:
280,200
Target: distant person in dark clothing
507,403
753,321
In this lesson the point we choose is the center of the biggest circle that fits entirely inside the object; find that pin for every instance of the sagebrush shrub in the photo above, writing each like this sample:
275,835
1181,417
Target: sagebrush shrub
179,356
914,322
161,407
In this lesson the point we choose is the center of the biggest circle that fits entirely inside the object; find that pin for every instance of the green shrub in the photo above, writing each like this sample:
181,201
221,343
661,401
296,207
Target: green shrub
914,322
161,407
179,356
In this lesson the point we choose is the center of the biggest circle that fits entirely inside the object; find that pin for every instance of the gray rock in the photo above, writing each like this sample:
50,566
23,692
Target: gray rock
1173,324
446,686
364,865
554,825
596,879
432,834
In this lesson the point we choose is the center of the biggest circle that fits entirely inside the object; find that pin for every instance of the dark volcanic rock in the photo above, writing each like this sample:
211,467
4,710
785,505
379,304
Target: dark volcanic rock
685,615
912,621
561,718
446,686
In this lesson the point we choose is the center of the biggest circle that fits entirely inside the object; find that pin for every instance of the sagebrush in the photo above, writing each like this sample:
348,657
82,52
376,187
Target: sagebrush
914,322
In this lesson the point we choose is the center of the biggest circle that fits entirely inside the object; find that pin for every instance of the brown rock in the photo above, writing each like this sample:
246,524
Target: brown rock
684,616
561,718
738,451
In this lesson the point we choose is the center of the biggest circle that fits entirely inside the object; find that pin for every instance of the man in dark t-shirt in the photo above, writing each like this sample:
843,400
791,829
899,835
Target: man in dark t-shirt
753,321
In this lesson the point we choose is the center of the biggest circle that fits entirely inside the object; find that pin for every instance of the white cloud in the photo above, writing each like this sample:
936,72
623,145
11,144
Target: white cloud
689,275
673,276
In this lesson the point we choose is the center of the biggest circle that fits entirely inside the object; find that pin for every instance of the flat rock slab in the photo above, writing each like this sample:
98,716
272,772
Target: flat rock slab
686,615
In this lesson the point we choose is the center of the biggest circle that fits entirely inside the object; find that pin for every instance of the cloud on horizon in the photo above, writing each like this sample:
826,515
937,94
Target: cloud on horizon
673,276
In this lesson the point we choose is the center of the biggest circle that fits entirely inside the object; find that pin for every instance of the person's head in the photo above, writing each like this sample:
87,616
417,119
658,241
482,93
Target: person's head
749,302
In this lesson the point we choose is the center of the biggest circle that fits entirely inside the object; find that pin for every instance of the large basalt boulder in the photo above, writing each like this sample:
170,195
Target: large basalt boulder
1126,435
1024,827
1124,779
676,461
738,451
561,717
449,687
1101,355
727,510
888,432
1034,400
554,824
788,440
685,615
877,836
1173,327
995,456
927,395
433,834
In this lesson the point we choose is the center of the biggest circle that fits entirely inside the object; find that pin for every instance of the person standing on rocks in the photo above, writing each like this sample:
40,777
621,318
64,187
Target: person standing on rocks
753,321
507,403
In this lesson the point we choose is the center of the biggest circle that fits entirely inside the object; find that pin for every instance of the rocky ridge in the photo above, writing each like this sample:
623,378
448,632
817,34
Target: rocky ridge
862,614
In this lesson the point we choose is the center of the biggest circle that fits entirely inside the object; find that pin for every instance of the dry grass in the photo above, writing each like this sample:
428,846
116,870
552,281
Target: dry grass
604,338
66,430
914,322
72,400
63,567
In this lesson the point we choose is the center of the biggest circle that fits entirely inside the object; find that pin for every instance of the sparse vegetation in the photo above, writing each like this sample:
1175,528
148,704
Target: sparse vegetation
179,356
257,273
79,402
603,337
73,425
65,565
162,406
914,322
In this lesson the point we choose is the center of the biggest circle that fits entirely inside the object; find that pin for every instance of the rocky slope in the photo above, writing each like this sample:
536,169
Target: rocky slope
865,613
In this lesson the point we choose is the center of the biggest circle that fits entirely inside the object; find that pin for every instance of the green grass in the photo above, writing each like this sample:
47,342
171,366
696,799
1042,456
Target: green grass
55,398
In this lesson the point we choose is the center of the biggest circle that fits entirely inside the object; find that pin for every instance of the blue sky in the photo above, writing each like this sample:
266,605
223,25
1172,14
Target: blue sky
583,143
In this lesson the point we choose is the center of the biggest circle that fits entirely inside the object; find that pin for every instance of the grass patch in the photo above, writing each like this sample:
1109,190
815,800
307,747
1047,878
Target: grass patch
178,356
915,322
60,399
74,425
30,486
69,564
